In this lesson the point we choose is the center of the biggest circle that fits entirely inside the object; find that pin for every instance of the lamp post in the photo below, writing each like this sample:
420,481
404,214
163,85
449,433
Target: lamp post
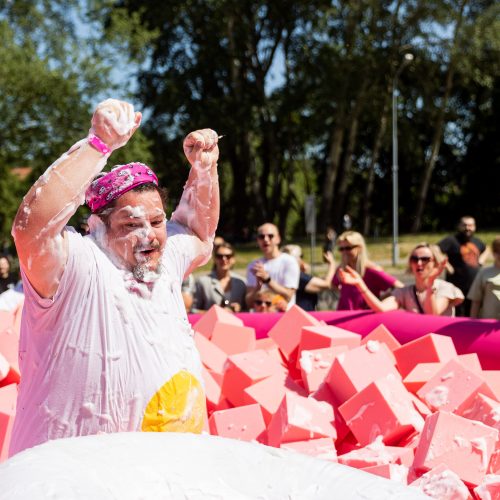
395,202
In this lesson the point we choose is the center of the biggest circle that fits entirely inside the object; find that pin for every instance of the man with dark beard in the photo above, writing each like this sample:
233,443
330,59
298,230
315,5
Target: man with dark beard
466,254
105,342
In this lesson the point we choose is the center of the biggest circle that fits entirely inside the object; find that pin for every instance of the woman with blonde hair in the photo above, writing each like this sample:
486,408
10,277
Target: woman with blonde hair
429,294
352,248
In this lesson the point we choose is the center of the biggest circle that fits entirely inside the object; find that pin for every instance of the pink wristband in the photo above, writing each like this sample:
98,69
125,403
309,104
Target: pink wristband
96,143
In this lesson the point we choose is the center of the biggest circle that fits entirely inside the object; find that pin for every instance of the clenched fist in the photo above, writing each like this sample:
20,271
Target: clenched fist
201,146
114,122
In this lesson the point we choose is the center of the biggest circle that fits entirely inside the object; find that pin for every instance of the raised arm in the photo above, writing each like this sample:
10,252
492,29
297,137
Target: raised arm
199,206
55,196
316,284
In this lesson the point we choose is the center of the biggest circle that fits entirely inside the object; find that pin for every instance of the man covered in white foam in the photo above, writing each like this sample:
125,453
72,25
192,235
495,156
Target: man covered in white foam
105,342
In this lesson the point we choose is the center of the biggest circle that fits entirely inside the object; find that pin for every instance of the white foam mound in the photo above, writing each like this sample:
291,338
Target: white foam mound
182,466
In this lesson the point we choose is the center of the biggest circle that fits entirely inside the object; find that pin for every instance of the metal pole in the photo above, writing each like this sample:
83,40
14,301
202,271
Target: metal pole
395,205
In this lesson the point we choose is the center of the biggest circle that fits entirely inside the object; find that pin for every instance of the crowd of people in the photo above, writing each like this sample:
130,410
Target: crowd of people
448,278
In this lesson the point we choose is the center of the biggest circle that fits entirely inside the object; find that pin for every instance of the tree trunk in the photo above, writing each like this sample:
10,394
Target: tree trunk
438,130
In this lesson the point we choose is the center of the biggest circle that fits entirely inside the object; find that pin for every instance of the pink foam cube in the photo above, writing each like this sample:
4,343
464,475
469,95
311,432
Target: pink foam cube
492,378
216,314
383,408
244,423
315,365
212,356
382,334
427,349
484,409
269,393
419,375
421,407
465,446
9,348
233,339
318,337
489,489
287,331
353,370
213,392
8,398
452,388
324,393
442,483
376,453
395,472
323,448
299,418
243,370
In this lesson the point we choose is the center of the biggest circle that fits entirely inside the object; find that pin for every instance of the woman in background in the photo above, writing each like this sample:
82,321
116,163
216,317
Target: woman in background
429,294
352,248
221,286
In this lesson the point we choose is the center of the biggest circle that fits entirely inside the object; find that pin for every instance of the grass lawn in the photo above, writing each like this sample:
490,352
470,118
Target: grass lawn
379,250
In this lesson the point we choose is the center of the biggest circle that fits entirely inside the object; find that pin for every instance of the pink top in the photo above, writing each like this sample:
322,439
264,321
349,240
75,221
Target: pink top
350,298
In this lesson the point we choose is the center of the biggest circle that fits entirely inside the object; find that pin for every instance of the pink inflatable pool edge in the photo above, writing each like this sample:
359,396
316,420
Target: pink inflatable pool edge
469,335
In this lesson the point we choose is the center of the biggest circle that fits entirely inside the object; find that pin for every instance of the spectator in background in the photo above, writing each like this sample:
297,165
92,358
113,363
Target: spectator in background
484,292
309,286
466,254
274,270
8,279
221,286
429,295
352,248
267,301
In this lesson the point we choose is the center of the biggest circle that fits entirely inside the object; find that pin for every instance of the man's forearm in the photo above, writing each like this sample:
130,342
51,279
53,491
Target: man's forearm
286,293
199,206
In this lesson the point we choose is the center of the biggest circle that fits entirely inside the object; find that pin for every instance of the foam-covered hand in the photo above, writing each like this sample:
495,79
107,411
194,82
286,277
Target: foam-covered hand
114,122
201,146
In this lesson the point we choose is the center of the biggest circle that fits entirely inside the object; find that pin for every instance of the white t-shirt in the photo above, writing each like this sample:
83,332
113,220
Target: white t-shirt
99,357
283,269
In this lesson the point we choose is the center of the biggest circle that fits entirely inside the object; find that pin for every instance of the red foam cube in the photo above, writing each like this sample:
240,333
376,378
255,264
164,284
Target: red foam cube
441,482
245,369
376,453
382,334
323,448
299,418
233,339
452,388
315,365
319,337
216,314
212,356
244,423
8,399
269,393
353,370
465,446
287,331
395,472
383,408
489,489
427,349
484,409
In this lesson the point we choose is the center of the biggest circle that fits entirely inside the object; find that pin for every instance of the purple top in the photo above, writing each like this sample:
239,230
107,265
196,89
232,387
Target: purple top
350,298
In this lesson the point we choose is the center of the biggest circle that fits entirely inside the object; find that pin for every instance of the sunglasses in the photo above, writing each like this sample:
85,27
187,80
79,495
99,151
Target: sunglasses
262,236
221,256
347,248
425,260
262,302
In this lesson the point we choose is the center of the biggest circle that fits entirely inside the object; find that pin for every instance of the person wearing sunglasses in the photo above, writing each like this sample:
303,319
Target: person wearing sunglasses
267,301
221,286
429,294
353,254
275,270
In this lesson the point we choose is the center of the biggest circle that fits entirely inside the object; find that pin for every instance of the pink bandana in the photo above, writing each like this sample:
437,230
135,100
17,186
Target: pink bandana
112,185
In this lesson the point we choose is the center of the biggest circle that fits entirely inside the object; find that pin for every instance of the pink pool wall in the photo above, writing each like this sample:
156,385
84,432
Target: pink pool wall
469,335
